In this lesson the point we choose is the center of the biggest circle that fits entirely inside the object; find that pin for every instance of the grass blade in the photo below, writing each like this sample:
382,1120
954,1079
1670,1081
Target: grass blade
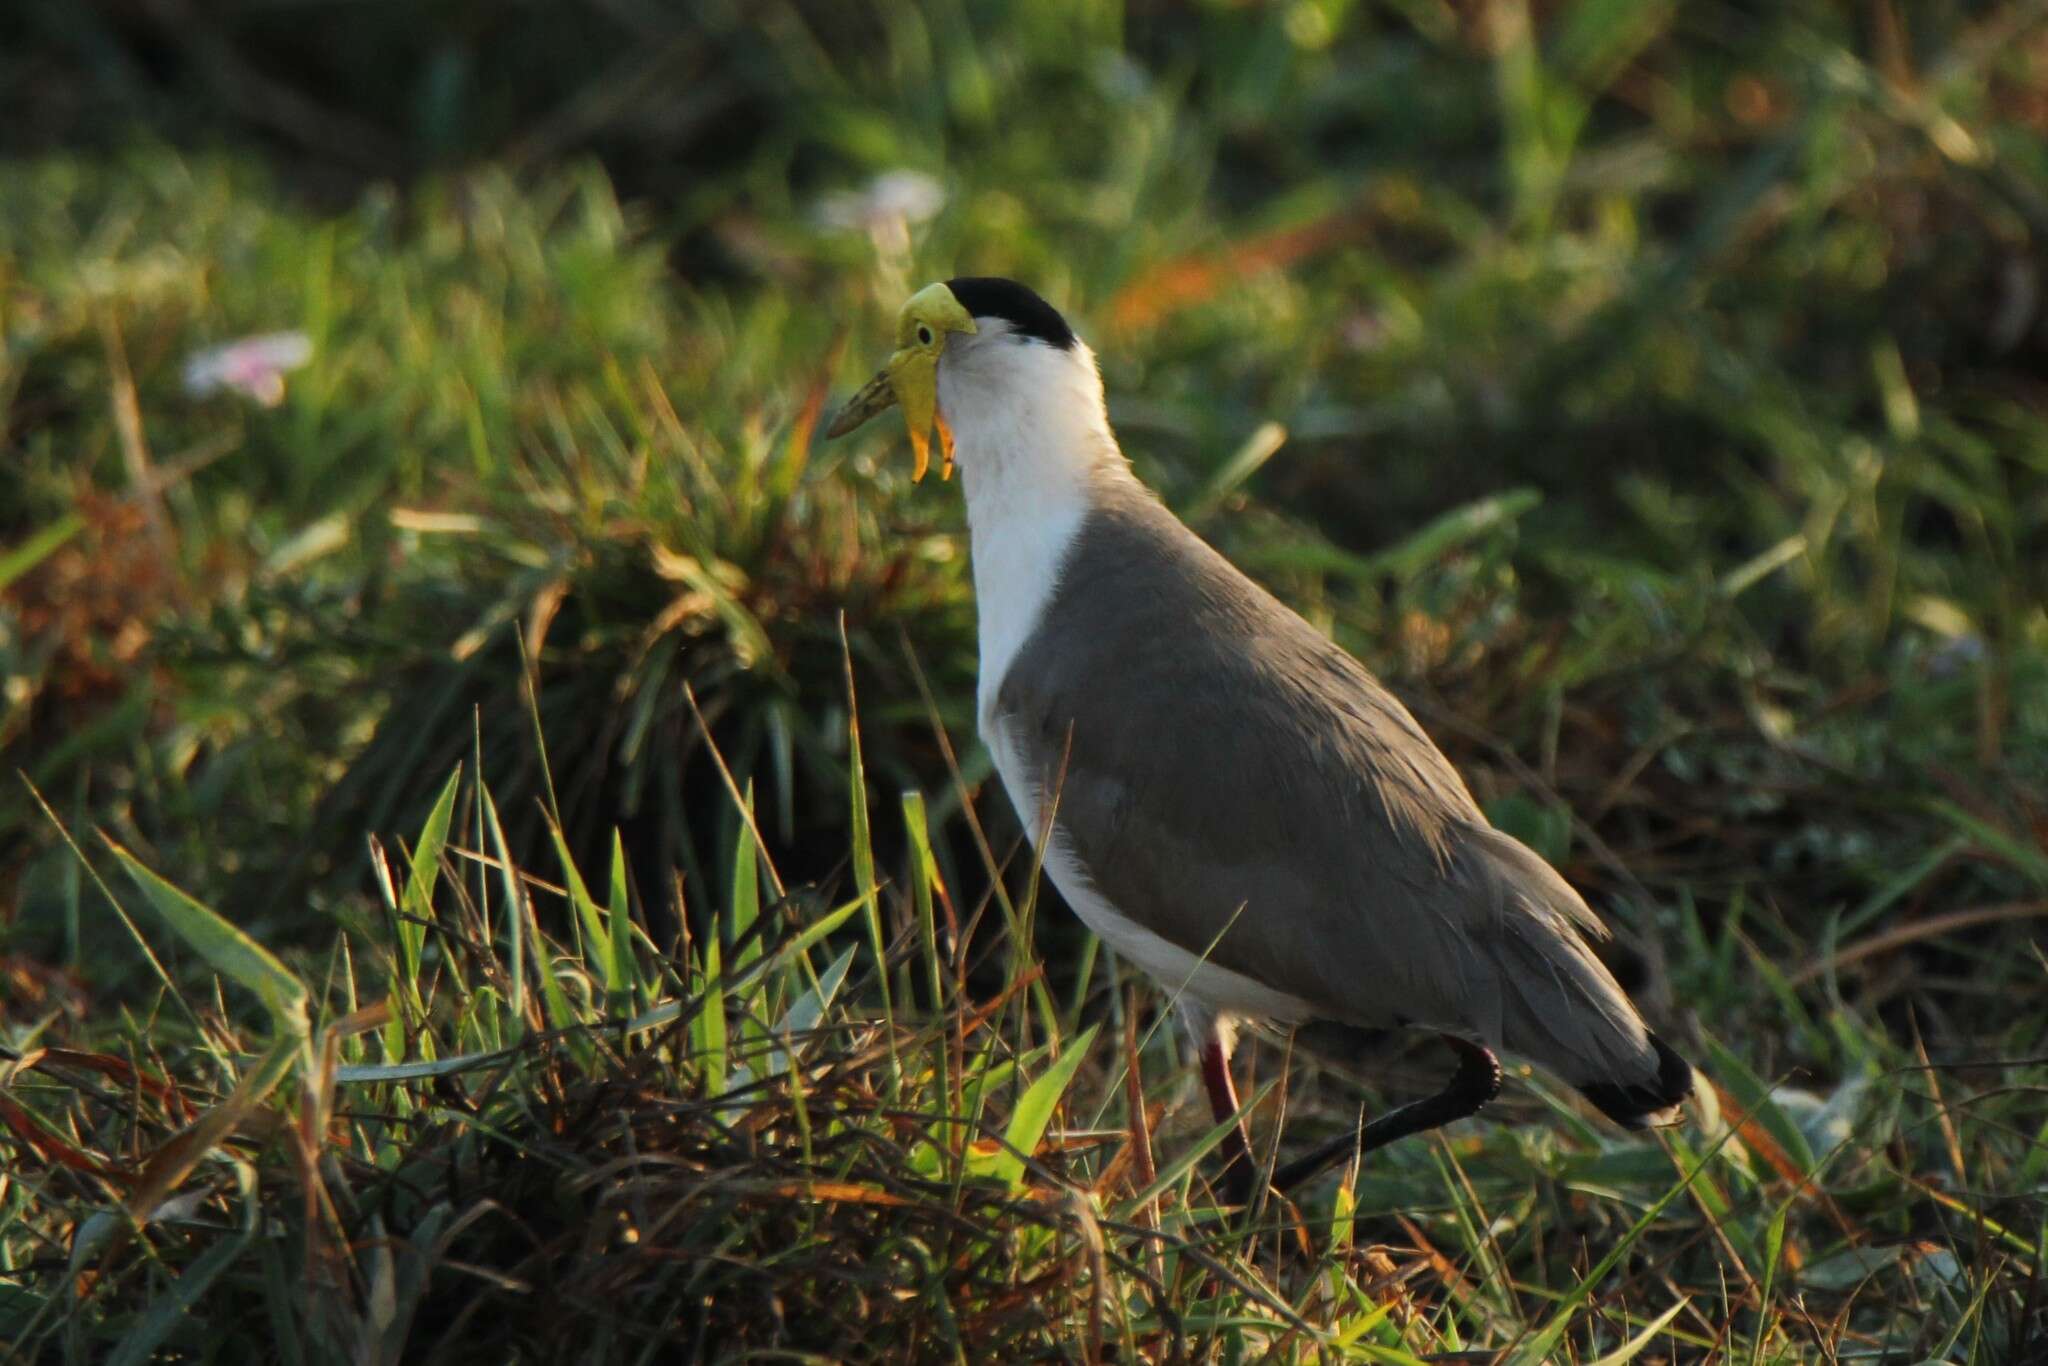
515,916
709,1026
862,836
417,905
1634,1347
38,547
619,921
809,1009
229,951
596,937
1262,445
745,905
1036,1106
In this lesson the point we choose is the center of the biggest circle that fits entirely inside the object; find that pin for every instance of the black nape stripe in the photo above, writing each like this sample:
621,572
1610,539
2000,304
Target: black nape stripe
991,296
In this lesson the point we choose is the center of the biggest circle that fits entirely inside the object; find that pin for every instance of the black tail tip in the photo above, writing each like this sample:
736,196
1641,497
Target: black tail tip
1641,1104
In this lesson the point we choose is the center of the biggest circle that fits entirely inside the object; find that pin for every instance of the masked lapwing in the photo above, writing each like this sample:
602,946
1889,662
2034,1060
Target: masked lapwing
1227,798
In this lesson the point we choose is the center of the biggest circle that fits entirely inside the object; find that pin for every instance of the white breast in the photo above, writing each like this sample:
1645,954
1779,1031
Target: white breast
1017,563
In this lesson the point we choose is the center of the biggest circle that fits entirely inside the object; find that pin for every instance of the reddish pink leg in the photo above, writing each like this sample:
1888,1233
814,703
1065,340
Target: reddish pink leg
1237,1149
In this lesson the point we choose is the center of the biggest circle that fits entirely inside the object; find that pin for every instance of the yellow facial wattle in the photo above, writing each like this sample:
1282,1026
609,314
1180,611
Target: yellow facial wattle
911,378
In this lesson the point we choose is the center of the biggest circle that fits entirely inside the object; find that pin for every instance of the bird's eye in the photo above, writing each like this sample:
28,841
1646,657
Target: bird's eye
924,335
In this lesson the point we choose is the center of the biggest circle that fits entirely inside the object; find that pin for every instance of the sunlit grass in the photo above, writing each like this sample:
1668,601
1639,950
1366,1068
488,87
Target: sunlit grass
508,1117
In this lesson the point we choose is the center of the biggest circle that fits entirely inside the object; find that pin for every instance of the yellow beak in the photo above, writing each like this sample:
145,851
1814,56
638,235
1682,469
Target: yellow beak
910,381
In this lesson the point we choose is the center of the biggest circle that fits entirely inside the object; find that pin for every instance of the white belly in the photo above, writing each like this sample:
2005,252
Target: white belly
1185,975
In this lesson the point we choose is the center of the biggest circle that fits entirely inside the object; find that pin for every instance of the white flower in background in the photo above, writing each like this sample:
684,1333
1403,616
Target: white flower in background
886,210
254,367
1957,655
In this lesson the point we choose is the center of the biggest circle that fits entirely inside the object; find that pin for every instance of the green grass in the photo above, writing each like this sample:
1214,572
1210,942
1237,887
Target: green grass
1651,393
460,1129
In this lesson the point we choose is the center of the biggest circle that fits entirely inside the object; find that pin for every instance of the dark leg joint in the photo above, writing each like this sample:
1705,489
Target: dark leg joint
1476,1082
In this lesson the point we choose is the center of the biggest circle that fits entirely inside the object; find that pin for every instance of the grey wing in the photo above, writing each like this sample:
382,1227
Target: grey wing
1211,815
1233,782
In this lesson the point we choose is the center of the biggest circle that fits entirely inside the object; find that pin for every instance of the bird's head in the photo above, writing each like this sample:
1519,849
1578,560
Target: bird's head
994,346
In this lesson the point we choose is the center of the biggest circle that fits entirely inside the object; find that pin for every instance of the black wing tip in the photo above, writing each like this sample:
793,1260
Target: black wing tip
992,296
1642,1104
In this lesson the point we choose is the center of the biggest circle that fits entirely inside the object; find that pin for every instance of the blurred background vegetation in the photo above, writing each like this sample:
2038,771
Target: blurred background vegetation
1706,342
1655,393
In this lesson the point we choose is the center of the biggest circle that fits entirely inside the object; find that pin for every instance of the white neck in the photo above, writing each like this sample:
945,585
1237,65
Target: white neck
1032,442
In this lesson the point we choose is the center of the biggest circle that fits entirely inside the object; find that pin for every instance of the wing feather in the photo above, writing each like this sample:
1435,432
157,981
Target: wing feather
1220,753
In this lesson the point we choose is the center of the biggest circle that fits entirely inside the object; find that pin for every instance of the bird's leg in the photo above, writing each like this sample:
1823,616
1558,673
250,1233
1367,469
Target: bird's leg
1476,1082
1238,1167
